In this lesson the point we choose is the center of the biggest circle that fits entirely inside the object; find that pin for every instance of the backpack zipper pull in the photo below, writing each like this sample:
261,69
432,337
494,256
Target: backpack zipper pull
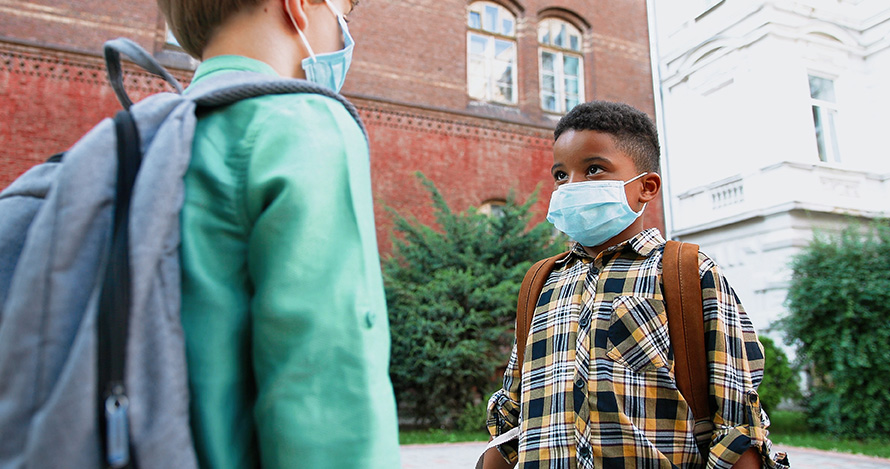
118,436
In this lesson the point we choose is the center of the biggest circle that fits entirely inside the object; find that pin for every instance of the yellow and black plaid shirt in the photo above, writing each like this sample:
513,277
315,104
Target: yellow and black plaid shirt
597,388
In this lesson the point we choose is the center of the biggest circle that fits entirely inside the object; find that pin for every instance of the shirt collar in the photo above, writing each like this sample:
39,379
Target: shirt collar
644,243
230,63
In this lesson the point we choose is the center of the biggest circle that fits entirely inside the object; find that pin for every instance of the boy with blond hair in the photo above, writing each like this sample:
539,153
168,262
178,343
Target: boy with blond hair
597,385
283,311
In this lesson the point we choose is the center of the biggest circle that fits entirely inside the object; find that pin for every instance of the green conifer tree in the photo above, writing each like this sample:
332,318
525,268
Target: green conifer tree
451,292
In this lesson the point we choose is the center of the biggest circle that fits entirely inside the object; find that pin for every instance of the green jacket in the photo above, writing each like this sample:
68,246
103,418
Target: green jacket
283,308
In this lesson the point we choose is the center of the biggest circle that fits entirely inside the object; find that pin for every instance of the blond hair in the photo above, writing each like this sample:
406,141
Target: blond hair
193,22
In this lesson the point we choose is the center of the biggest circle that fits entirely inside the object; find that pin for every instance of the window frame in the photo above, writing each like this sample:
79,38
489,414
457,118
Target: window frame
825,119
489,57
492,208
559,78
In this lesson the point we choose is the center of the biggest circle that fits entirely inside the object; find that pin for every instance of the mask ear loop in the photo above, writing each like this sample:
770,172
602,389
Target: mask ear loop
645,203
299,31
334,9
635,178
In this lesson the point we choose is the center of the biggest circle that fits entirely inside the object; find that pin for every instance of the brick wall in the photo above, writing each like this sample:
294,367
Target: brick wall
408,80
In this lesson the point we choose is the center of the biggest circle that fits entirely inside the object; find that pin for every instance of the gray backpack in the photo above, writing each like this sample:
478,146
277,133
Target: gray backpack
92,359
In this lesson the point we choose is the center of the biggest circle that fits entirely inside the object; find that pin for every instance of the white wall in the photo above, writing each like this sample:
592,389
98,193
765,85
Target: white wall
745,180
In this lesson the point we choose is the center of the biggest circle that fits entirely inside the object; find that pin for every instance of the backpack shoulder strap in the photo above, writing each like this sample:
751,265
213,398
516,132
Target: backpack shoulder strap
529,292
214,91
682,292
113,50
227,88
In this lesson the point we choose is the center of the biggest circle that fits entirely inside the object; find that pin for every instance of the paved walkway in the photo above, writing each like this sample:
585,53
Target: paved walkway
464,456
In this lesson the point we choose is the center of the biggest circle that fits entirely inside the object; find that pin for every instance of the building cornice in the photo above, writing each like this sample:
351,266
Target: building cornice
780,20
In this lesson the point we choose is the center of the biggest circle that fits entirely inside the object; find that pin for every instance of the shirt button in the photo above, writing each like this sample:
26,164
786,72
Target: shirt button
580,382
584,451
370,319
584,322
594,270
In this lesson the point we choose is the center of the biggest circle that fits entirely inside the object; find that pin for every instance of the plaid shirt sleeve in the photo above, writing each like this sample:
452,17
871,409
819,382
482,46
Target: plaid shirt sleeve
735,359
503,408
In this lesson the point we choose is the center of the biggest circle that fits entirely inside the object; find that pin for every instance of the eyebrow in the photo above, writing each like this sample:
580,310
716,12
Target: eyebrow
589,159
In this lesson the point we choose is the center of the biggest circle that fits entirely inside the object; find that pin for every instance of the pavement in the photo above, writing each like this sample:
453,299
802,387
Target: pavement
464,456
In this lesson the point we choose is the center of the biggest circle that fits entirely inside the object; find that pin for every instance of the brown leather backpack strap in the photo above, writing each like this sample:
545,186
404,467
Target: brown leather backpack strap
529,292
682,292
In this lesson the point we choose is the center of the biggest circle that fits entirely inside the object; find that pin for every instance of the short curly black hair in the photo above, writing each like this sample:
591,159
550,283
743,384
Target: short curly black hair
633,130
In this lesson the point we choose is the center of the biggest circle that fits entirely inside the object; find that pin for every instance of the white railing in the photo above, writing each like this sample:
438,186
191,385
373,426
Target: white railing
780,187
727,194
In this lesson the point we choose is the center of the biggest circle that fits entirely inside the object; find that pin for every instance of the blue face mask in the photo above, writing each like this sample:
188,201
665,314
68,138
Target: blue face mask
592,212
329,69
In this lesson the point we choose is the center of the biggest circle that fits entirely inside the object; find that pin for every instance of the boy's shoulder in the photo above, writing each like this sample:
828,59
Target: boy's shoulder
310,108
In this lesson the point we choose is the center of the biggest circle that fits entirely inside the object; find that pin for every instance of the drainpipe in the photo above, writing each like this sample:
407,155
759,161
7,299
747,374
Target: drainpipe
667,199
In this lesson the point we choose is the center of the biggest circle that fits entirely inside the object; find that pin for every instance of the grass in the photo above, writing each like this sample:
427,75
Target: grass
436,435
788,428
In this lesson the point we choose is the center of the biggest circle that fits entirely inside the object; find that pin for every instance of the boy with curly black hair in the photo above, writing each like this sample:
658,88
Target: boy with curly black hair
597,388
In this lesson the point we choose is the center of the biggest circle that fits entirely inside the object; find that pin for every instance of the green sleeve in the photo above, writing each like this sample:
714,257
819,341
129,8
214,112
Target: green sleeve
320,349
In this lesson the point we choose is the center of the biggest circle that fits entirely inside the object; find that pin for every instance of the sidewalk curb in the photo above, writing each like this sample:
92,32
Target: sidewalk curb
793,449
433,445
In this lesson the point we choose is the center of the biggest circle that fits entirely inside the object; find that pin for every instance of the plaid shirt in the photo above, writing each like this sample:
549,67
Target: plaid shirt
597,388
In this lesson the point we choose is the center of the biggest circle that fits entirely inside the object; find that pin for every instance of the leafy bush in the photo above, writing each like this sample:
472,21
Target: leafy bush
473,417
451,293
780,380
839,302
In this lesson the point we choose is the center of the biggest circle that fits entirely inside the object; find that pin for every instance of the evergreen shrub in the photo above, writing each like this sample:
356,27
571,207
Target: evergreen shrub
451,292
780,380
839,302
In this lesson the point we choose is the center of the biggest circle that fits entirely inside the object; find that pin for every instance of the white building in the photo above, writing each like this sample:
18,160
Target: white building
775,124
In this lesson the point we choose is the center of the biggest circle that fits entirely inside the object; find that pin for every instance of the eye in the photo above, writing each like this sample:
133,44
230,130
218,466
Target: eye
560,176
594,170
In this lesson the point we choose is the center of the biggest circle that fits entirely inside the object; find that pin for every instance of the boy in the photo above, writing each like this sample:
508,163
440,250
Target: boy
597,387
283,310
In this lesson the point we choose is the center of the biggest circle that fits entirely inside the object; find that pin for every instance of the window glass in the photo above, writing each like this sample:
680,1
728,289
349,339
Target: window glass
572,65
491,18
491,53
558,33
560,39
171,39
507,27
824,118
821,88
493,208
561,65
475,20
477,45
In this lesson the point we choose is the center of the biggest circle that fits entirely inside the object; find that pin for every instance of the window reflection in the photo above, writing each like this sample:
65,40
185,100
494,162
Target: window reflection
561,65
491,53
824,107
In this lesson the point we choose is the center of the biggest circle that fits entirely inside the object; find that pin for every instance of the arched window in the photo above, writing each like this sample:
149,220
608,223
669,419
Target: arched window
493,208
491,53
562,65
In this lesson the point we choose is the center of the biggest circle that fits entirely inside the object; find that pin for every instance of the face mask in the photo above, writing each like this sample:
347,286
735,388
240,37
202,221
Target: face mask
592,212
328,69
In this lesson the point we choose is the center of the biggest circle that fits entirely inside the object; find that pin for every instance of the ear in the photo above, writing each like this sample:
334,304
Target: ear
651,185
296,13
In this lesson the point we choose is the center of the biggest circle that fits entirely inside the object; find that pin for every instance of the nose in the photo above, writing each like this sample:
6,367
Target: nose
576,177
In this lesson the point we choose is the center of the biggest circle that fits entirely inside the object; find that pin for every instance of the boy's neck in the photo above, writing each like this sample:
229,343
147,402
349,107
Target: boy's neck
258,34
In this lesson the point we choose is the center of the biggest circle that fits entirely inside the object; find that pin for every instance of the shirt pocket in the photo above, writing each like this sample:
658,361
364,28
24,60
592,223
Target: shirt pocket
638,334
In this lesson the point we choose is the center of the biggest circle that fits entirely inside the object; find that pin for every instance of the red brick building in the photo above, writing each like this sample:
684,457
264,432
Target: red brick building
467,92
